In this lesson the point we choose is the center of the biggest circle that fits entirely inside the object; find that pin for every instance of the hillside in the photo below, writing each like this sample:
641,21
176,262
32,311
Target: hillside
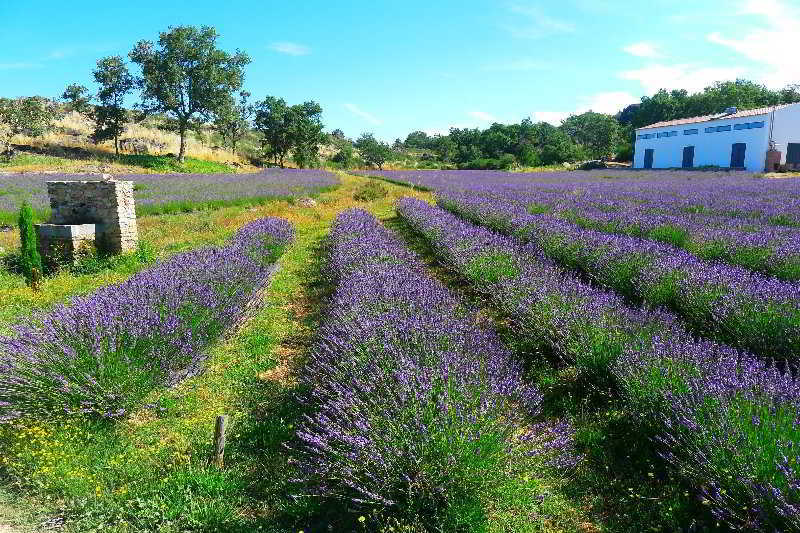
67,147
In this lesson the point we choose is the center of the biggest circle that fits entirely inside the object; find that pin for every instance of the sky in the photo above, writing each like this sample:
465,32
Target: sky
391,67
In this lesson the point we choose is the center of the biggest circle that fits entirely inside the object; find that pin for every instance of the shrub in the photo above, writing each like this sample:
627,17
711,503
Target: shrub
369,192
30,260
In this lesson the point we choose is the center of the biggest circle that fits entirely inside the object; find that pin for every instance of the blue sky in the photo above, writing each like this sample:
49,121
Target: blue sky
393,67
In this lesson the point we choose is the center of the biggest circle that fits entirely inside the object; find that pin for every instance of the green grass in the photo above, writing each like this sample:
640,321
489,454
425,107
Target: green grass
32,159
154,163
166,163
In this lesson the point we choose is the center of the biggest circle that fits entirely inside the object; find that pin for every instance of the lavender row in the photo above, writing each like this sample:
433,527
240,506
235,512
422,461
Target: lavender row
154,190
733,195
413,405
101,354
725,419
772,250
727,303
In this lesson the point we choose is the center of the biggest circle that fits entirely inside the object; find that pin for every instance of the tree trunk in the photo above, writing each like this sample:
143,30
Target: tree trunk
182,153
116,145
281,161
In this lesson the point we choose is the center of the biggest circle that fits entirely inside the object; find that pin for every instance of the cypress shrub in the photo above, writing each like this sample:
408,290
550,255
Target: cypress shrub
30,260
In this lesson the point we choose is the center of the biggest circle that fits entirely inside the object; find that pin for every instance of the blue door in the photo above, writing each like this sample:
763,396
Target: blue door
688,156
648,158
737,155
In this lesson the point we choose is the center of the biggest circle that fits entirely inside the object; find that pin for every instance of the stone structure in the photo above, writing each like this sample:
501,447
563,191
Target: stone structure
88,214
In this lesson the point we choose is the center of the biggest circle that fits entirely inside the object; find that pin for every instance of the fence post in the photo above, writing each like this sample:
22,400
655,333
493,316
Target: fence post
219,441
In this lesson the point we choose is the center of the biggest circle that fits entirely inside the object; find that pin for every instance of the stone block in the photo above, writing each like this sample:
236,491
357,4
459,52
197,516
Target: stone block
61,244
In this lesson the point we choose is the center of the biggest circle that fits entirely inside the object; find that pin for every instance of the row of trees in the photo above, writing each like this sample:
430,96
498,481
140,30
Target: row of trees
584,136
184,76
587,135
670,105
192,85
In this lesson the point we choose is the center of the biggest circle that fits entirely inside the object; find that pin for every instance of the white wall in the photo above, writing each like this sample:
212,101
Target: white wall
786,128
710,148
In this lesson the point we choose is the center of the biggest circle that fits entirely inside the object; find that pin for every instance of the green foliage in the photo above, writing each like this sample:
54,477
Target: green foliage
596,132
345,157
186,75
30,260
31,116
115,82
373,151
166,163
492,267
77,98
306,133
744,94
232,122
285,128
370,191
504,162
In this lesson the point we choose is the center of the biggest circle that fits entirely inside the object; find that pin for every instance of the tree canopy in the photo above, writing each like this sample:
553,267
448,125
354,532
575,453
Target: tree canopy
373,151
32,116
185,75
115,81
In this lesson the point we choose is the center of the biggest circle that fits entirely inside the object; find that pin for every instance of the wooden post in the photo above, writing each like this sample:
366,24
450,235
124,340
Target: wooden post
219,441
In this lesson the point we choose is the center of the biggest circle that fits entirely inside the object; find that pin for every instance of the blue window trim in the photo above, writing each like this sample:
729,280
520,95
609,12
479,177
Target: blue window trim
692,131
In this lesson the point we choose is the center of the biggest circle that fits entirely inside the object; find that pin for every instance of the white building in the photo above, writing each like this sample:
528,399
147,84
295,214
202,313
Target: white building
735,139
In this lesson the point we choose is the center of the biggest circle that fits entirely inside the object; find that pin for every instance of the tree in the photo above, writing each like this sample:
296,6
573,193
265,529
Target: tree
77,98
30,260
305,133
596,132
115,81
418,139
273,120
32,116
186,75
373,151
233,121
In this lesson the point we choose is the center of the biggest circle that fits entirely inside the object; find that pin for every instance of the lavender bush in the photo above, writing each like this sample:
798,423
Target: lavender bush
100,354
728,303
727,420
734,218
158,193
416,410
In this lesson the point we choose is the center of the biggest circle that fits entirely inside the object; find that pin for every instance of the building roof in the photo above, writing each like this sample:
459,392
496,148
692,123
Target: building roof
718,116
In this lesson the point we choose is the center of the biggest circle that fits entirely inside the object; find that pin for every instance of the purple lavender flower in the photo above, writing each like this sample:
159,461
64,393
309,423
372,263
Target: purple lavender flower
103,352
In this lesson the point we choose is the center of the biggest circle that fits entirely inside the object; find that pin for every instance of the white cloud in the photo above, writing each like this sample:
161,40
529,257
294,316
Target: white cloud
693,78
643,49
483,116
292,49
773,45
363,114
609,103
533,23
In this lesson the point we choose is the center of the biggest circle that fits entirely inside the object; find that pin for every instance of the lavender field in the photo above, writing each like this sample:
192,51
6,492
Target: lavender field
507,352
165,193
677,290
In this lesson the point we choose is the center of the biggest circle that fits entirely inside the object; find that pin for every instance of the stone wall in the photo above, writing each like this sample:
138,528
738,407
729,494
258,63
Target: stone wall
107,204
